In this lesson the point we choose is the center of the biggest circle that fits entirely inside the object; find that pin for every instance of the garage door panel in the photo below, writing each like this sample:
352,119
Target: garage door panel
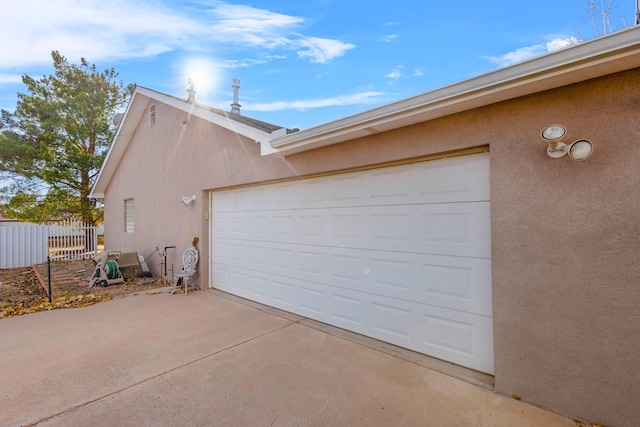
390,226
259,287
393,321
401,254
449,180
345,227
462,178
310,191
239,281
283,293
283,259
443,333
447,334
457,283
223,202
283,194
240,225
240,251
347,311
280,227
460,338
222,224
345,188
346,267
259,224
387,184
390,274
443,229
311,262
310,226
222,250
259,256
310,301
221,276
241,199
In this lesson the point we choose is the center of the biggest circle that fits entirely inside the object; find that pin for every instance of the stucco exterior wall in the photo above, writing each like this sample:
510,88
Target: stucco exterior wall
564,254
566,276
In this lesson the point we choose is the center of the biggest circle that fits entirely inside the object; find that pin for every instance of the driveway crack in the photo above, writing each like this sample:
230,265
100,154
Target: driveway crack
175,368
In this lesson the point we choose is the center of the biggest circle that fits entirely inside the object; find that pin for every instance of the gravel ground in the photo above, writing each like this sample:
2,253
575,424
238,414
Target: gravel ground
22,293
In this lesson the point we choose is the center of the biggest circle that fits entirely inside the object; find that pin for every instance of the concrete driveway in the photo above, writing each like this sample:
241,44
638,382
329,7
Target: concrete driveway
208,359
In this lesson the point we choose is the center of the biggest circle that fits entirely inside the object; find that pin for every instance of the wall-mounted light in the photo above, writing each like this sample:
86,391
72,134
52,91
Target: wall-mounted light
187,200
577,150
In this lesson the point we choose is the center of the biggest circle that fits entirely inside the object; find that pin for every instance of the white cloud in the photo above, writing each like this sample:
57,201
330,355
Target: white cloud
395,74
234,64
418,72
322,50
518,55
389,38
361,98
528,52
240,19
561,43
10,78
89,28
121,29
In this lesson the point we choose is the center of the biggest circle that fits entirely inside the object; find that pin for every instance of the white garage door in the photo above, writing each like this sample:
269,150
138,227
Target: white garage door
401,253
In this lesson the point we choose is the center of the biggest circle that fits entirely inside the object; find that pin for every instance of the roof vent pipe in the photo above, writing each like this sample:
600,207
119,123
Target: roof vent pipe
192,93
235,107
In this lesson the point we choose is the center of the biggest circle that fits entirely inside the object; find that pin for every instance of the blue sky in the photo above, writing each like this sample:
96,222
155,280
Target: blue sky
300,63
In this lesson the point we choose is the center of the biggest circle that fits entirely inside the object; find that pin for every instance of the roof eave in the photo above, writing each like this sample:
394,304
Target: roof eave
206,114
124,133
606,55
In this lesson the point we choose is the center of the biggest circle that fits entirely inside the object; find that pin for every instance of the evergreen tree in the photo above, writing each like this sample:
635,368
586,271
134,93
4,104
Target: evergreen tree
53,145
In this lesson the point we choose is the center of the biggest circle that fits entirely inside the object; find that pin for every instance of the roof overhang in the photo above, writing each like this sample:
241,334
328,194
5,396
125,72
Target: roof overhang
595,58
141,99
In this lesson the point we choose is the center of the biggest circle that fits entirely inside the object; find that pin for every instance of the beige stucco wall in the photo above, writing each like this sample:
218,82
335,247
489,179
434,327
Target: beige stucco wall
566,275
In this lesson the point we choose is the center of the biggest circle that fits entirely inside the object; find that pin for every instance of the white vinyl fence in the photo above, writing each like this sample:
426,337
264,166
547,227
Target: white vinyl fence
72,239
22,245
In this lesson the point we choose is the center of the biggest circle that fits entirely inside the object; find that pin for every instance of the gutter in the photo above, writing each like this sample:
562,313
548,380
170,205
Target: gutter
598,57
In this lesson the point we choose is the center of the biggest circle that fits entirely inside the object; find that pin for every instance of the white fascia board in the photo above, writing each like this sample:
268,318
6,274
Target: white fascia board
606,55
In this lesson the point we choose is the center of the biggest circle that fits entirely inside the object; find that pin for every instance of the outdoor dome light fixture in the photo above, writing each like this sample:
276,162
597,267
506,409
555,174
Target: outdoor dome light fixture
577,150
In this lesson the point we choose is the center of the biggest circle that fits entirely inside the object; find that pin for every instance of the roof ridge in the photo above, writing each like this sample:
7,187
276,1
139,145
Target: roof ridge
249,121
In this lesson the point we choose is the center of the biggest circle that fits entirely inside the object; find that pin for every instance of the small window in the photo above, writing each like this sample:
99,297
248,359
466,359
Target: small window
152,115
128,215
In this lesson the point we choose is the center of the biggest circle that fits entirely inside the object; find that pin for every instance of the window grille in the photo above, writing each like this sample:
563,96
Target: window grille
129,211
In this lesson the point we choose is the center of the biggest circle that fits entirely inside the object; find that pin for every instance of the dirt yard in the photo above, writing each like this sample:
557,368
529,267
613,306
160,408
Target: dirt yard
22,293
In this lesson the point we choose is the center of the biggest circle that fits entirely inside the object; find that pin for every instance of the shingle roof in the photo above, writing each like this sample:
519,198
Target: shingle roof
257,124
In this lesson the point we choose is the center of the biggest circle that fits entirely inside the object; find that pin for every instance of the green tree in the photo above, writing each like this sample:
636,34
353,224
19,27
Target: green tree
54,143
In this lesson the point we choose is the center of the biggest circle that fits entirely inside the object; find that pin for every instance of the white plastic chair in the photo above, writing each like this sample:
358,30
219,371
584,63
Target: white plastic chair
189,261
